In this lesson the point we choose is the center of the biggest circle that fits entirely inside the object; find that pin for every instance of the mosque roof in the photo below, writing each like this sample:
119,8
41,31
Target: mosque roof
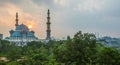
16,34
30,34
22,27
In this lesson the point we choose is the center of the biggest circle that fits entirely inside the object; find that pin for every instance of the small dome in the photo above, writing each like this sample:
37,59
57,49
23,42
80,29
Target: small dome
30,34
22,27
16,34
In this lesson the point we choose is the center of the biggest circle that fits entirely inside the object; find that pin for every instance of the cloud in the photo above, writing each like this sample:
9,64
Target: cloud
7,20
7,17
62,2
89,5
67,16
91,15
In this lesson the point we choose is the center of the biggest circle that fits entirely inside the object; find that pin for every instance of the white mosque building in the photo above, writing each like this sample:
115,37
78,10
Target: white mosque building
22,35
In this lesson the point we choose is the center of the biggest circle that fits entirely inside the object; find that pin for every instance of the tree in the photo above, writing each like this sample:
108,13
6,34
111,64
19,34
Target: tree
13,63
82,49
15,52
79,50
109,56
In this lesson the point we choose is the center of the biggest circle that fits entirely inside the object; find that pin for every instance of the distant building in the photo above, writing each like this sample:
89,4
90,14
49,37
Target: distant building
1,36
109,41
22,35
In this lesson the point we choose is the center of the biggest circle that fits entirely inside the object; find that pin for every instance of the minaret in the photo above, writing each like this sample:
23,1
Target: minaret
16,19
48,26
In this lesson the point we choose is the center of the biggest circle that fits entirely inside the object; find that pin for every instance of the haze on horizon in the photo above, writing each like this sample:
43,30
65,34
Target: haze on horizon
67,16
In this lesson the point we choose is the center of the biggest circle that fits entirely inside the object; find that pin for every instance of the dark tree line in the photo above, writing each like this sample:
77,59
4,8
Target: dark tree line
83,49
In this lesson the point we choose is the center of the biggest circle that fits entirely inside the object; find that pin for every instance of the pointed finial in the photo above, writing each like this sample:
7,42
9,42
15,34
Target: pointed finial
48,11
16,14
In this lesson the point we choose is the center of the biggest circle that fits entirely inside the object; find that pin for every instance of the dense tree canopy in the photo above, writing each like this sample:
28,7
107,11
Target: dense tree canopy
82,49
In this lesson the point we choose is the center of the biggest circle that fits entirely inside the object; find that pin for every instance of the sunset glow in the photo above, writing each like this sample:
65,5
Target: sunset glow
29,26
67,16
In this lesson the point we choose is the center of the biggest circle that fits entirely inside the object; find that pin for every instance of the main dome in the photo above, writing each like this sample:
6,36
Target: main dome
22,27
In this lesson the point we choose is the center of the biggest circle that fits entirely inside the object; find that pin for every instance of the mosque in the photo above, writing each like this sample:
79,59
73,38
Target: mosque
22,35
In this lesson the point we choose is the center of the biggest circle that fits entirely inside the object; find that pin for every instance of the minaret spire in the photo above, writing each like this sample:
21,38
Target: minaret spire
48,26
16,19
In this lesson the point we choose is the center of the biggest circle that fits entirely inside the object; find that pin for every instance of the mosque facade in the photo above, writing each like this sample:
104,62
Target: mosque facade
22,35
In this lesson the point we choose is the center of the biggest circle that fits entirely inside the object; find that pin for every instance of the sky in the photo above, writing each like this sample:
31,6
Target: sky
67,16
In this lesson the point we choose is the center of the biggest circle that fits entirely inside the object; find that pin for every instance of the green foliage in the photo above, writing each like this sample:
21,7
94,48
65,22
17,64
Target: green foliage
82,49
2,63
109,56
13,63
4,46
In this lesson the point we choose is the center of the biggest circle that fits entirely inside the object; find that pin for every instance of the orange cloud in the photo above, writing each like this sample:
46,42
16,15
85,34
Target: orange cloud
7,20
